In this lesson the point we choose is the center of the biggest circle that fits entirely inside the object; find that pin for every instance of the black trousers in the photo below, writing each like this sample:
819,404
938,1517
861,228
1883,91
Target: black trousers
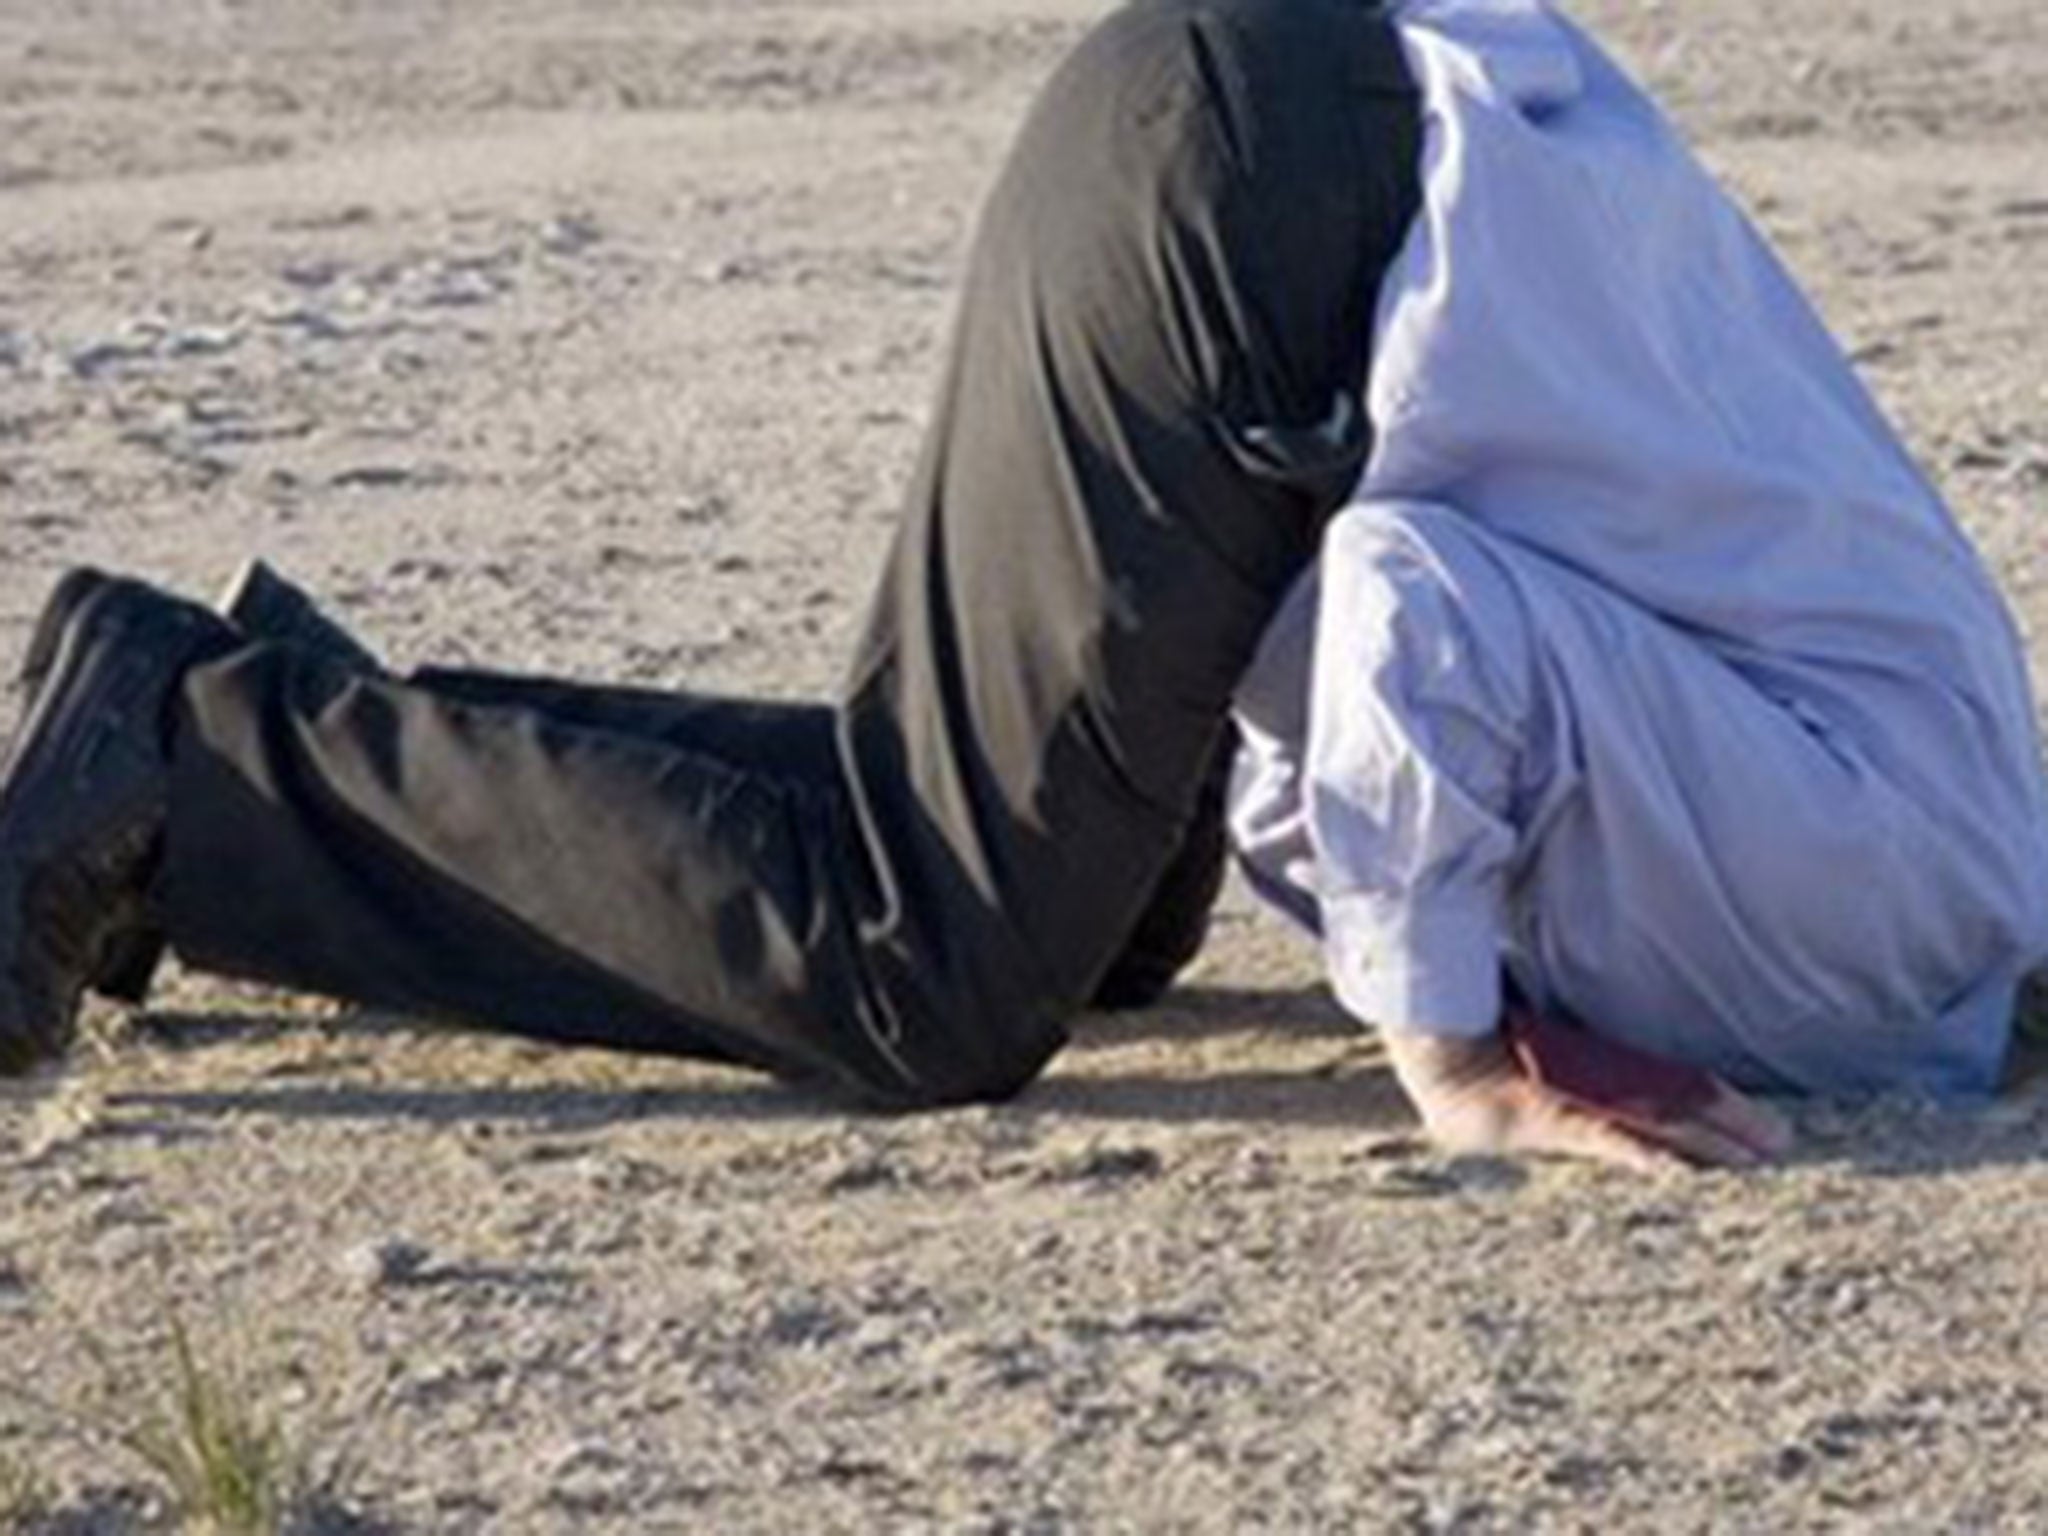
1152,405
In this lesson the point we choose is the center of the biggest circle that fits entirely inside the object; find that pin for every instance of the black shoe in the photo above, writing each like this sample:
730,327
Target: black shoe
82,798
257,601
262,605
71,590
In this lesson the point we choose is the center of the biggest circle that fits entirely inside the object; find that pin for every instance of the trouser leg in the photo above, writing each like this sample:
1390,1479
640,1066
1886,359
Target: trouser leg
1166,937
1175,918
1152,405
1151,409
393,845
777,736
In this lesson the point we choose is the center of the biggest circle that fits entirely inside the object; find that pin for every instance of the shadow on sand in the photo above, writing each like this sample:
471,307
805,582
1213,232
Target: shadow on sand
1886,1138
1079,1086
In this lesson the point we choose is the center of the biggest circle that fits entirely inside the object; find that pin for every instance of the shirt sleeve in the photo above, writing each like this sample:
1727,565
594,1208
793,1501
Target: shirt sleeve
1419,703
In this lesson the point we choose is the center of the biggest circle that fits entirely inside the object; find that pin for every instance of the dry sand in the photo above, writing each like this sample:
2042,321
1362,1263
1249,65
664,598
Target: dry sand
595,336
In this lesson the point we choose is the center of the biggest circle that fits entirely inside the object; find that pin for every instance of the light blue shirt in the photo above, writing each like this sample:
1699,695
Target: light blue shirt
1645,659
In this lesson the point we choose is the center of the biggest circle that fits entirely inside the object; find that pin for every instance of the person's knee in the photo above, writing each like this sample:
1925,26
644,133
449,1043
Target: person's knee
951,1072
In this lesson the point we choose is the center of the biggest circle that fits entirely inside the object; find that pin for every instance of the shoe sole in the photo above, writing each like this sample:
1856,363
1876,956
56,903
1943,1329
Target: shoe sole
66,762
257,601
63,601
133,963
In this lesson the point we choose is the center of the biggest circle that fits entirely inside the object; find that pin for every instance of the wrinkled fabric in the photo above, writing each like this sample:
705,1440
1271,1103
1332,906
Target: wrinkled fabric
908,889
1643,661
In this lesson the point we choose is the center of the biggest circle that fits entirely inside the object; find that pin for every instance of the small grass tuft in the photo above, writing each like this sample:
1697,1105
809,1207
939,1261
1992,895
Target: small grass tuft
229,1465
222,1458
25,1497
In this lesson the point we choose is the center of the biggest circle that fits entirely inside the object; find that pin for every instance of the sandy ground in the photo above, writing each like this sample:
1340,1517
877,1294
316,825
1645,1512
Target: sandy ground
595,336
